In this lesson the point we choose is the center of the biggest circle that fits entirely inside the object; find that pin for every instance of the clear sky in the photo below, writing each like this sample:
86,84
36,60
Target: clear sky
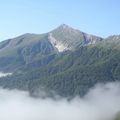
98,17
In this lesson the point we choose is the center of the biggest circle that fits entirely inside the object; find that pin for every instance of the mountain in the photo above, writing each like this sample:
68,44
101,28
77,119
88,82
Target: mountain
64,60
28,48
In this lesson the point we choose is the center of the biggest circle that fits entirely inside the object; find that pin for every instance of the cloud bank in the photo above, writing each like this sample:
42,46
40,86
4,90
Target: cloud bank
101,103
2,74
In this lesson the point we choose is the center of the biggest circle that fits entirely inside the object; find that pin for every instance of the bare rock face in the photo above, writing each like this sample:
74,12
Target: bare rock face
67,38
58,45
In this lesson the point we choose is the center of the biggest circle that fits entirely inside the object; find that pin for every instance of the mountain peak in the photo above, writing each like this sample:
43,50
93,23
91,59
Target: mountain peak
65,38
64,26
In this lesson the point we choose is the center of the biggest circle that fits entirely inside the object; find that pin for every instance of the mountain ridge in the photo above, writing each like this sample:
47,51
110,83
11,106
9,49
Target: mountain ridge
28,47
63,60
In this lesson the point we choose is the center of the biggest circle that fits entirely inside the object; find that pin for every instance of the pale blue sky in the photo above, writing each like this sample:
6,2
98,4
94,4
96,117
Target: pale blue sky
99,17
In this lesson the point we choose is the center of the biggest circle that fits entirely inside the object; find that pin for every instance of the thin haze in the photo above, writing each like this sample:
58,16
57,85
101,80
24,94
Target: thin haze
99,17
101,103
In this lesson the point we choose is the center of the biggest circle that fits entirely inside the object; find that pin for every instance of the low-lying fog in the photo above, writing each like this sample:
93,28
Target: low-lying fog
101,103
2,74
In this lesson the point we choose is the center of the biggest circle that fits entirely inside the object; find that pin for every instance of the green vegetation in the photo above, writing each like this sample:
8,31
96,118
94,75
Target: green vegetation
38,65
117,116
71,73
